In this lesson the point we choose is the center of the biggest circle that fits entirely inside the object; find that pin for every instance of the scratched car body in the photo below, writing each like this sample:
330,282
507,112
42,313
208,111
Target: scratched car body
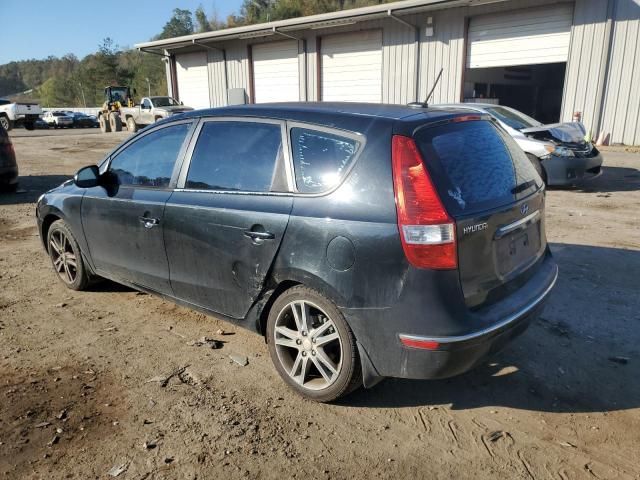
363,241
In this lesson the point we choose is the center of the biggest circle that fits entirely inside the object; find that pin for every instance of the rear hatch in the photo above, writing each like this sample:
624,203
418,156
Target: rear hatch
496,199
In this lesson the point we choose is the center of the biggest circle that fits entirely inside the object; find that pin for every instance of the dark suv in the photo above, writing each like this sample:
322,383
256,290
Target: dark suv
364,241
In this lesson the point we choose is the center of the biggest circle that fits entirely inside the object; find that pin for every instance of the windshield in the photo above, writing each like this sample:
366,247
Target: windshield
119,94
164,102
513,118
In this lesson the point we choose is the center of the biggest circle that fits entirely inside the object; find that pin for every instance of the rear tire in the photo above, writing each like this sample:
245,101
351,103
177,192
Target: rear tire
105,127
312,346
115,122
66,257
131,125
537,164
29,126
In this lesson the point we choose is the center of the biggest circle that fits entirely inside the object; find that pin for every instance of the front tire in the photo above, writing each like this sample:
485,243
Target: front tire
131,125
105,127
115,122
66,257
312,346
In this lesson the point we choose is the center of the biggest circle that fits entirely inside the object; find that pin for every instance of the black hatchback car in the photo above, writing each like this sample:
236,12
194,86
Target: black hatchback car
363,241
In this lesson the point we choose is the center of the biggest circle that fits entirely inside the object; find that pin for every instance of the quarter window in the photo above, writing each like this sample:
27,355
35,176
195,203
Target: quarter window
149,161
320,159
237,156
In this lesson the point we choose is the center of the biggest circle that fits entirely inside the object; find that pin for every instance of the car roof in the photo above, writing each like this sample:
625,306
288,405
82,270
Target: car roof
473,106
322,112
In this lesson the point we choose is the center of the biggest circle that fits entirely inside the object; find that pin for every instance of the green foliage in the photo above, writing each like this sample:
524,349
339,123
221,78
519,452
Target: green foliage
202,20
180,23
69,82
258,11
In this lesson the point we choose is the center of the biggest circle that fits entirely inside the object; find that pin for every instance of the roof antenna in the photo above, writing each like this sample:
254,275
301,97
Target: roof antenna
425,104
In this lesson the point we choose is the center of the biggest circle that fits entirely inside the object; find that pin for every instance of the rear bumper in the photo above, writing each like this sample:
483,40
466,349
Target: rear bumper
485,332
458,354
571,170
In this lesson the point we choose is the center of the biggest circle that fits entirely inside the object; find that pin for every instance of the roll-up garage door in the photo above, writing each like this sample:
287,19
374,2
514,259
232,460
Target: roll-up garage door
193,79
275,72
352,67
520,37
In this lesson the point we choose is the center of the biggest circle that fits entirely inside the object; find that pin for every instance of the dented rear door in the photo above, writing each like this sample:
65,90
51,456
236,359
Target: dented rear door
225,222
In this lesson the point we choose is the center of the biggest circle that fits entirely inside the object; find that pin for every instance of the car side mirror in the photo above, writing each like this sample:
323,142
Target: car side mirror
87,177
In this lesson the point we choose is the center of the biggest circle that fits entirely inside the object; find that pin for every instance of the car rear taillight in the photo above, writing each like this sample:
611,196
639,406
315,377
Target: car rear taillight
426,229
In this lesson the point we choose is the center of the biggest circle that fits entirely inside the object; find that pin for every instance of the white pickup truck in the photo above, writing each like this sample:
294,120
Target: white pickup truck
16,113
150,110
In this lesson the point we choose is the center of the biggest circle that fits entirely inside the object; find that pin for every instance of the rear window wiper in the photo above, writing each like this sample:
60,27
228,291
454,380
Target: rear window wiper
523,186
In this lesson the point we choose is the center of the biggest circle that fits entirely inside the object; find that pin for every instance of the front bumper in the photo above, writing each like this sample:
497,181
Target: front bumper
571,170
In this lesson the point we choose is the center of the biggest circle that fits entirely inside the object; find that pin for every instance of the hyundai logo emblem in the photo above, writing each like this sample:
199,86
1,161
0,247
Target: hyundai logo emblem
524,208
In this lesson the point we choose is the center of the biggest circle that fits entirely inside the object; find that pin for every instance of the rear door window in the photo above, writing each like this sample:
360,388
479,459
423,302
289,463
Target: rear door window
320,159
238,156
477,165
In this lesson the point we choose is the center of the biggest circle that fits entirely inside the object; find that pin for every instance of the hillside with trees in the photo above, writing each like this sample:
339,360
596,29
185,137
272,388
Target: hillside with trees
72,82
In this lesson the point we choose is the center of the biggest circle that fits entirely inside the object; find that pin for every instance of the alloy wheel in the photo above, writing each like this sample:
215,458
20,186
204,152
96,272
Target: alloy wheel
308,345
63,257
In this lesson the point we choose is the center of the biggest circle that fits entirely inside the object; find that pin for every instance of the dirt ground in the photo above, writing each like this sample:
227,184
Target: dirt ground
79,393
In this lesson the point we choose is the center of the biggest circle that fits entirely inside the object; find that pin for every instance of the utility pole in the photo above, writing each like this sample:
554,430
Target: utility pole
148,85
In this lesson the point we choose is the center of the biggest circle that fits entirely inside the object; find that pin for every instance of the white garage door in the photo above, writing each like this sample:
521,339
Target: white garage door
275,72
521,37
352,67
193,79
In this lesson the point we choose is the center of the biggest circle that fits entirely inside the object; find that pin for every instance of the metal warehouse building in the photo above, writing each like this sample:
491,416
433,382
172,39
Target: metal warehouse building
548,59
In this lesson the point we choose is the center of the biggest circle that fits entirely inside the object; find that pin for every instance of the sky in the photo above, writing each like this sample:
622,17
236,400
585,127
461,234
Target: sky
39,28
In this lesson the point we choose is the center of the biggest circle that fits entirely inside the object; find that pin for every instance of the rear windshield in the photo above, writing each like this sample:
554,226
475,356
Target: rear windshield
476,166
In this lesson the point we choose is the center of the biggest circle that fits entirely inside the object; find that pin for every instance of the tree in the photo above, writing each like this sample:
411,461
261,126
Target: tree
202,20
180,23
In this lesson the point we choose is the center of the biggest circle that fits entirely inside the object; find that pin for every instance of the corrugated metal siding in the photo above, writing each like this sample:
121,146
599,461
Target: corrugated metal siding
238,65
217,83
444,50
587,54
622,98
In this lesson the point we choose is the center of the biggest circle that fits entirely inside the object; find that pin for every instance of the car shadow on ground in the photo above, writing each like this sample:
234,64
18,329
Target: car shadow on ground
581,355
613,179
30,188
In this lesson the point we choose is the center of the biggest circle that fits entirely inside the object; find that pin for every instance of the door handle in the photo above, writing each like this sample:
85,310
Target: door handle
149,222
259,235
